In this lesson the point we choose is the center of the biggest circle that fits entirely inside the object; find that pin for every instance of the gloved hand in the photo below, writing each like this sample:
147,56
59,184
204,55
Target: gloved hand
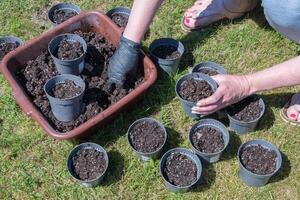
124,60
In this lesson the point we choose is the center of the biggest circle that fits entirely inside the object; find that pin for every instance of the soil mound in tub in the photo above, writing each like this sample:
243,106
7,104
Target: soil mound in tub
147,137
208,140
88,164
246,110
258,159
195,90
62,15
97,95
180,170
69,50
7,47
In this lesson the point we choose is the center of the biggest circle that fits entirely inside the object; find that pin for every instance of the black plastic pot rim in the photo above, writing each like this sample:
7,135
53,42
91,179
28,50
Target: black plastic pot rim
274,148
163,44
66,34
65,8
117,10
204,125
67,99
146,119
246,123
208,67
191,102
12,37
106,167
190,185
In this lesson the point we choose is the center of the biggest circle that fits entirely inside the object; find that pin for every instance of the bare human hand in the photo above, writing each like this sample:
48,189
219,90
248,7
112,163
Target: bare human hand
232,88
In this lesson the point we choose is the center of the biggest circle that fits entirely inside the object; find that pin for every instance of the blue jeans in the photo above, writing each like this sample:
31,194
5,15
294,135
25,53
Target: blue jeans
284,16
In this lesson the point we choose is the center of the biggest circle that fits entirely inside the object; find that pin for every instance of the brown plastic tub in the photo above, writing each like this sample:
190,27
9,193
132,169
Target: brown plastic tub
91,21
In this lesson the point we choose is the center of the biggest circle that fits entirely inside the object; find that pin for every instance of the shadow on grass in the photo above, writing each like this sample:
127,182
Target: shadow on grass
207,179
232,148
173,139
284,171
115,168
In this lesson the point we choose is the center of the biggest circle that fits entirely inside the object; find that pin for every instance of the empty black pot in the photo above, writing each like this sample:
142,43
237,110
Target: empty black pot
62,6
188,105
75,66
88,145
65,109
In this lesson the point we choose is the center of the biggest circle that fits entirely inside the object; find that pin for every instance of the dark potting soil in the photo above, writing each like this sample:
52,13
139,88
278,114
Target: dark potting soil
147,137
120,19
62,15
97,96
166,52
69,50
258,159
209,72
66,90
5,48
208,140
195,90
180,170
246,110
89,164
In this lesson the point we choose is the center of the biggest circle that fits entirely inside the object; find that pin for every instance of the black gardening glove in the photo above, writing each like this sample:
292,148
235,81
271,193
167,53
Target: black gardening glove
124,60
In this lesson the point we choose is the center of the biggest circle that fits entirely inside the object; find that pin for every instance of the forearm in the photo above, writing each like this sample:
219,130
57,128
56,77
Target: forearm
281,75
142,13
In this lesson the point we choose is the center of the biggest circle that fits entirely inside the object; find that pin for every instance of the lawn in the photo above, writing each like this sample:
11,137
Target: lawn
33,165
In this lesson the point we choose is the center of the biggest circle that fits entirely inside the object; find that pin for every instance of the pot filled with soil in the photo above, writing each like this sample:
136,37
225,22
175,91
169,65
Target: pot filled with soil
180,169
166,53
65,94
68,52
61,12
259,160
191,88
245,115
119,16
8,44
209,68
209,138
87,163
147,138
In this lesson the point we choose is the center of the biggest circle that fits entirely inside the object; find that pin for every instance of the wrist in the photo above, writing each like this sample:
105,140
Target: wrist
129,42
249,85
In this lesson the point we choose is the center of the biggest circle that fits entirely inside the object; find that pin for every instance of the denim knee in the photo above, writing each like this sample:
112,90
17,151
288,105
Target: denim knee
284,16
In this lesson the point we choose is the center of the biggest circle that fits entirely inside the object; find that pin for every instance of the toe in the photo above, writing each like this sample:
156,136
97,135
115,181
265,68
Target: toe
292,113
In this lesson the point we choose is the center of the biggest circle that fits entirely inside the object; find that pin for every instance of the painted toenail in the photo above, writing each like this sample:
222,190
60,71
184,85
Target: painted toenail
187,21
293,115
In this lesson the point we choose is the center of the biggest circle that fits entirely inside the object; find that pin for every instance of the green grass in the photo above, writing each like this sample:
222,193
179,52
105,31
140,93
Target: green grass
33,165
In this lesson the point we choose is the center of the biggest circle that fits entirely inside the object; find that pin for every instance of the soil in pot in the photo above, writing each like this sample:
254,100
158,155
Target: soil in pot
246,110
147,137
208,72
59,16
7,47
258,159
195,90
208,140
98,95
66,90
166,52
180,170
89,164
120,19
69,50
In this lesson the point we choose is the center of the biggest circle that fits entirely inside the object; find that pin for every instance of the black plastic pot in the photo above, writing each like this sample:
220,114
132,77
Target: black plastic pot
210,157
190,155
147,156
11,39
65,109
61,6
169,66
188,105
88,145
119,10
75,66
212,66
241,127
250,178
